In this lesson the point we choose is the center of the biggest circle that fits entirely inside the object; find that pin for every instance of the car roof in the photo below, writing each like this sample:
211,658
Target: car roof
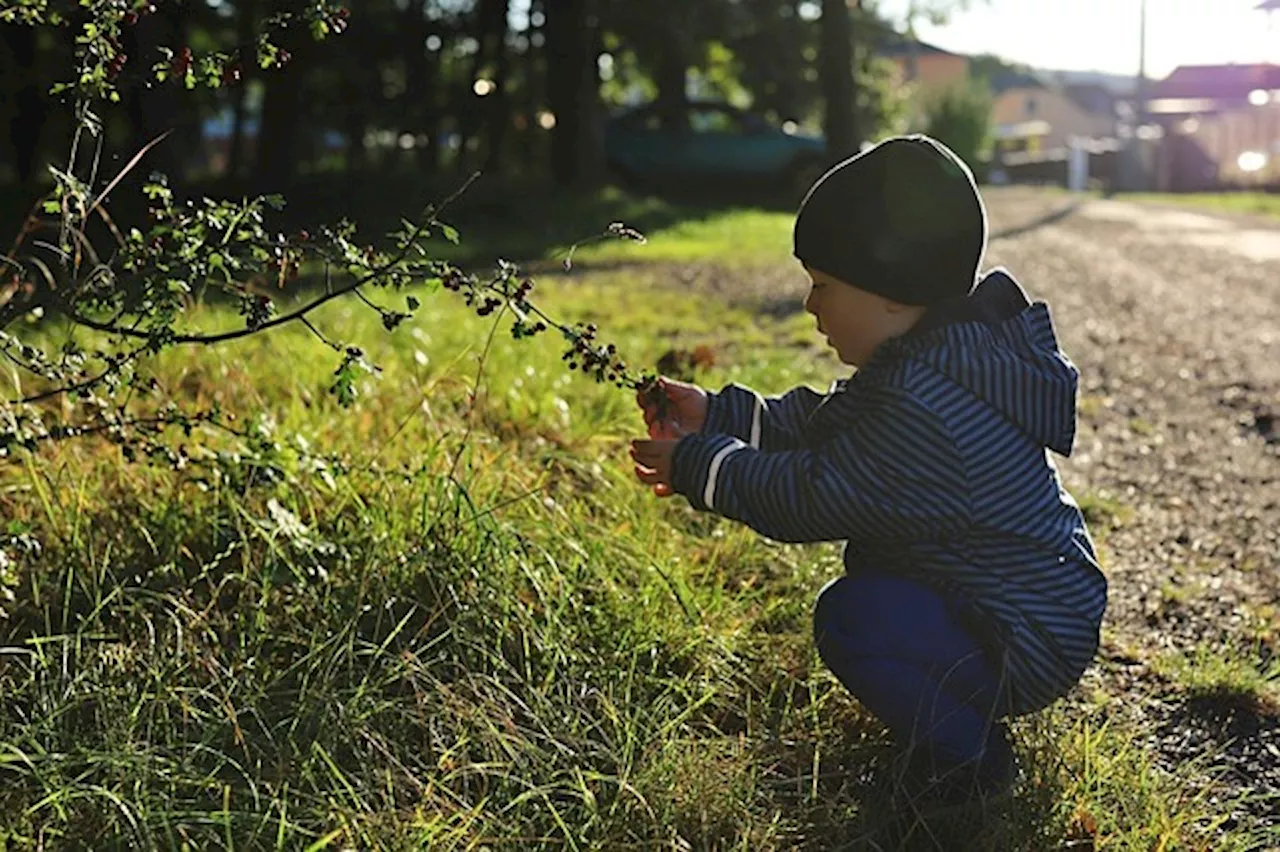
653,106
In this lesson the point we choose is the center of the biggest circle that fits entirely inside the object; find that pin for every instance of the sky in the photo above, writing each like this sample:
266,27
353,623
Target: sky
1103,35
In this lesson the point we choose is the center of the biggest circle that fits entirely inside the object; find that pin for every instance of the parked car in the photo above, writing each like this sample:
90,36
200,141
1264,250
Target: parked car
710,144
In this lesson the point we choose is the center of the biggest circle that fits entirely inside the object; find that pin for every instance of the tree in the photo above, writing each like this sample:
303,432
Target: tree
960,117
18,45
573,91
838,88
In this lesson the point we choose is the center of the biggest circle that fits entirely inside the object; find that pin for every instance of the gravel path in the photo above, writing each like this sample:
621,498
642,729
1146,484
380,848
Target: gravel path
1174,320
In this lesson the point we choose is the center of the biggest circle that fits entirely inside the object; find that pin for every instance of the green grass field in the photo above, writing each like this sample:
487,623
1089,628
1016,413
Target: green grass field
427,623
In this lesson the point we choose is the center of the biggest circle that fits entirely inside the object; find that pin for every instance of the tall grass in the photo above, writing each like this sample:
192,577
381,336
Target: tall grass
450,619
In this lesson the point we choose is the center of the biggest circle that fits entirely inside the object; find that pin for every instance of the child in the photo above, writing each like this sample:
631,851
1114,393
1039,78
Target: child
972,591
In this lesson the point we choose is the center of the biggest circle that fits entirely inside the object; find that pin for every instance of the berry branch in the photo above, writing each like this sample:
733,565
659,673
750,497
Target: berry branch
135,294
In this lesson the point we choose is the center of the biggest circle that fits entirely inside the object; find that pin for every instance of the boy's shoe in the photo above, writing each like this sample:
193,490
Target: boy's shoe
925,779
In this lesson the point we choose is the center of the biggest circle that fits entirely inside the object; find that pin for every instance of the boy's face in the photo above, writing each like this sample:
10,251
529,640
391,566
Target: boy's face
854,321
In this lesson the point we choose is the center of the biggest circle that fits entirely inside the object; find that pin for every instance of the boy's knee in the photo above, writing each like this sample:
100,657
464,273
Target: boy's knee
827,607
839,618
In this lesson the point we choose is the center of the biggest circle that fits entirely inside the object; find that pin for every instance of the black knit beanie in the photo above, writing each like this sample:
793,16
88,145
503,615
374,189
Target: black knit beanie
902,219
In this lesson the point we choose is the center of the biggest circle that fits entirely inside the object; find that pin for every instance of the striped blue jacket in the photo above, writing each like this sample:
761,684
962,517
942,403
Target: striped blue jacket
932,460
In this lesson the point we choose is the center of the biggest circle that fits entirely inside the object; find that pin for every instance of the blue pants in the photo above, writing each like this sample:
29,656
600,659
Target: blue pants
904,651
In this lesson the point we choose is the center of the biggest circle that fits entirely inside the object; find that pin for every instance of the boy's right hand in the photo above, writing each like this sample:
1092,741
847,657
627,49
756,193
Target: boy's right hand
686,408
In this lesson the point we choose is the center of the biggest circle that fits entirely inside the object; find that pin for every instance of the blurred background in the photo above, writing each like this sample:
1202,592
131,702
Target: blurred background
740,97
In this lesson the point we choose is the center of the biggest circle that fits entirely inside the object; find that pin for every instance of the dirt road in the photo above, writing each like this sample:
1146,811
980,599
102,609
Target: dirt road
1174,320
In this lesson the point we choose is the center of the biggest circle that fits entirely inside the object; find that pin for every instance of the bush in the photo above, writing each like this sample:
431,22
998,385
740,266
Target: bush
960,117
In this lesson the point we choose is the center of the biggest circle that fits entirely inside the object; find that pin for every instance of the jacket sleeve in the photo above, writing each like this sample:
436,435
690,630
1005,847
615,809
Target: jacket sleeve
891,474
765,423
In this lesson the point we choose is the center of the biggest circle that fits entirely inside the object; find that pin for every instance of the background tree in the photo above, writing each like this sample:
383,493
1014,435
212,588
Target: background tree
432,89
838,86
573,85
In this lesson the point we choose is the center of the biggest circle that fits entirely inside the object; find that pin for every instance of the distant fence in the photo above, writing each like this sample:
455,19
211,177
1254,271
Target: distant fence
1053,166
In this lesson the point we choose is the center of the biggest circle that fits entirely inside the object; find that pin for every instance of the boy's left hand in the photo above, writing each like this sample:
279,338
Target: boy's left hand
653,464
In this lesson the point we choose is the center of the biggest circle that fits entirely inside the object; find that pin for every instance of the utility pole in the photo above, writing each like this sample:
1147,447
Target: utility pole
1140,107
1135,177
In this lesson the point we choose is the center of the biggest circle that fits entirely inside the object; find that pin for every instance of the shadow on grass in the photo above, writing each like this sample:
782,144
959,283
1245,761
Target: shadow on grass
859,802
516,219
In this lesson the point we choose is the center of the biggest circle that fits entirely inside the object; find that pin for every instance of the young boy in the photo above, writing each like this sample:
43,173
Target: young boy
972,591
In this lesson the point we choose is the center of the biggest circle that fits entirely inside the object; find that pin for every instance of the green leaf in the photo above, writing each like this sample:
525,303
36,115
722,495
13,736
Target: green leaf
450,233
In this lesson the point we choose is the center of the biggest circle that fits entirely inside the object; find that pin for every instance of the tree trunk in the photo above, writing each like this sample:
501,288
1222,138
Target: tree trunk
28,118
281,129
532,88
672,78
278,131
245,29
573,92
838,86
419,97
499,111
158,109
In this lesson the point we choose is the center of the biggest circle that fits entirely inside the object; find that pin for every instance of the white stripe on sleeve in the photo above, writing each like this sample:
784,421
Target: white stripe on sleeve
709,495
755,423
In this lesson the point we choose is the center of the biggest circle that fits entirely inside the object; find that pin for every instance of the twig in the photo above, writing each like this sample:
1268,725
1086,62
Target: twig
372,275
87,383
435,211
226,335
475,391
326,341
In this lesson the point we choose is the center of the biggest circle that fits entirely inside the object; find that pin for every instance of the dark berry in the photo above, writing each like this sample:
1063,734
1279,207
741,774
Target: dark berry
182,62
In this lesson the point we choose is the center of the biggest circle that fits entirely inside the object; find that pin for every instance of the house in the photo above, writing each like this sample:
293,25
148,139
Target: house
1038,118
934,68
1097,99
1229,114
1196,90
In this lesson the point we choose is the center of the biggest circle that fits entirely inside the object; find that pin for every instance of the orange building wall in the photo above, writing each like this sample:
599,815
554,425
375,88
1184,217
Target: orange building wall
935,70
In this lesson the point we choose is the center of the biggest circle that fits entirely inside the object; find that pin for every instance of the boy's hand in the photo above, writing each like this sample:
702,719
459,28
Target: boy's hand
653,464
673,409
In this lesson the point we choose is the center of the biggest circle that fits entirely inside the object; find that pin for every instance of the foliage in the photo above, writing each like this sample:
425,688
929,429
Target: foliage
960,117
101,64
126,303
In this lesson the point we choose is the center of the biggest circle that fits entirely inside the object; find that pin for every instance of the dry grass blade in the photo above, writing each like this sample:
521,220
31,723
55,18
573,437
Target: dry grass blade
124,171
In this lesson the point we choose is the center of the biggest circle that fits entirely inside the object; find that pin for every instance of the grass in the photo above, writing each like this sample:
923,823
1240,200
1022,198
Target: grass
1253,203
551,226
423,624
1228,677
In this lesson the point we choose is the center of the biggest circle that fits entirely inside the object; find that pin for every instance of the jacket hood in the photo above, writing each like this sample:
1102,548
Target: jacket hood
1002,347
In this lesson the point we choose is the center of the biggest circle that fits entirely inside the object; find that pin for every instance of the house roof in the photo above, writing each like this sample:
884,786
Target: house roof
897,44
1268,6
1007,80
1217,81
1092,97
